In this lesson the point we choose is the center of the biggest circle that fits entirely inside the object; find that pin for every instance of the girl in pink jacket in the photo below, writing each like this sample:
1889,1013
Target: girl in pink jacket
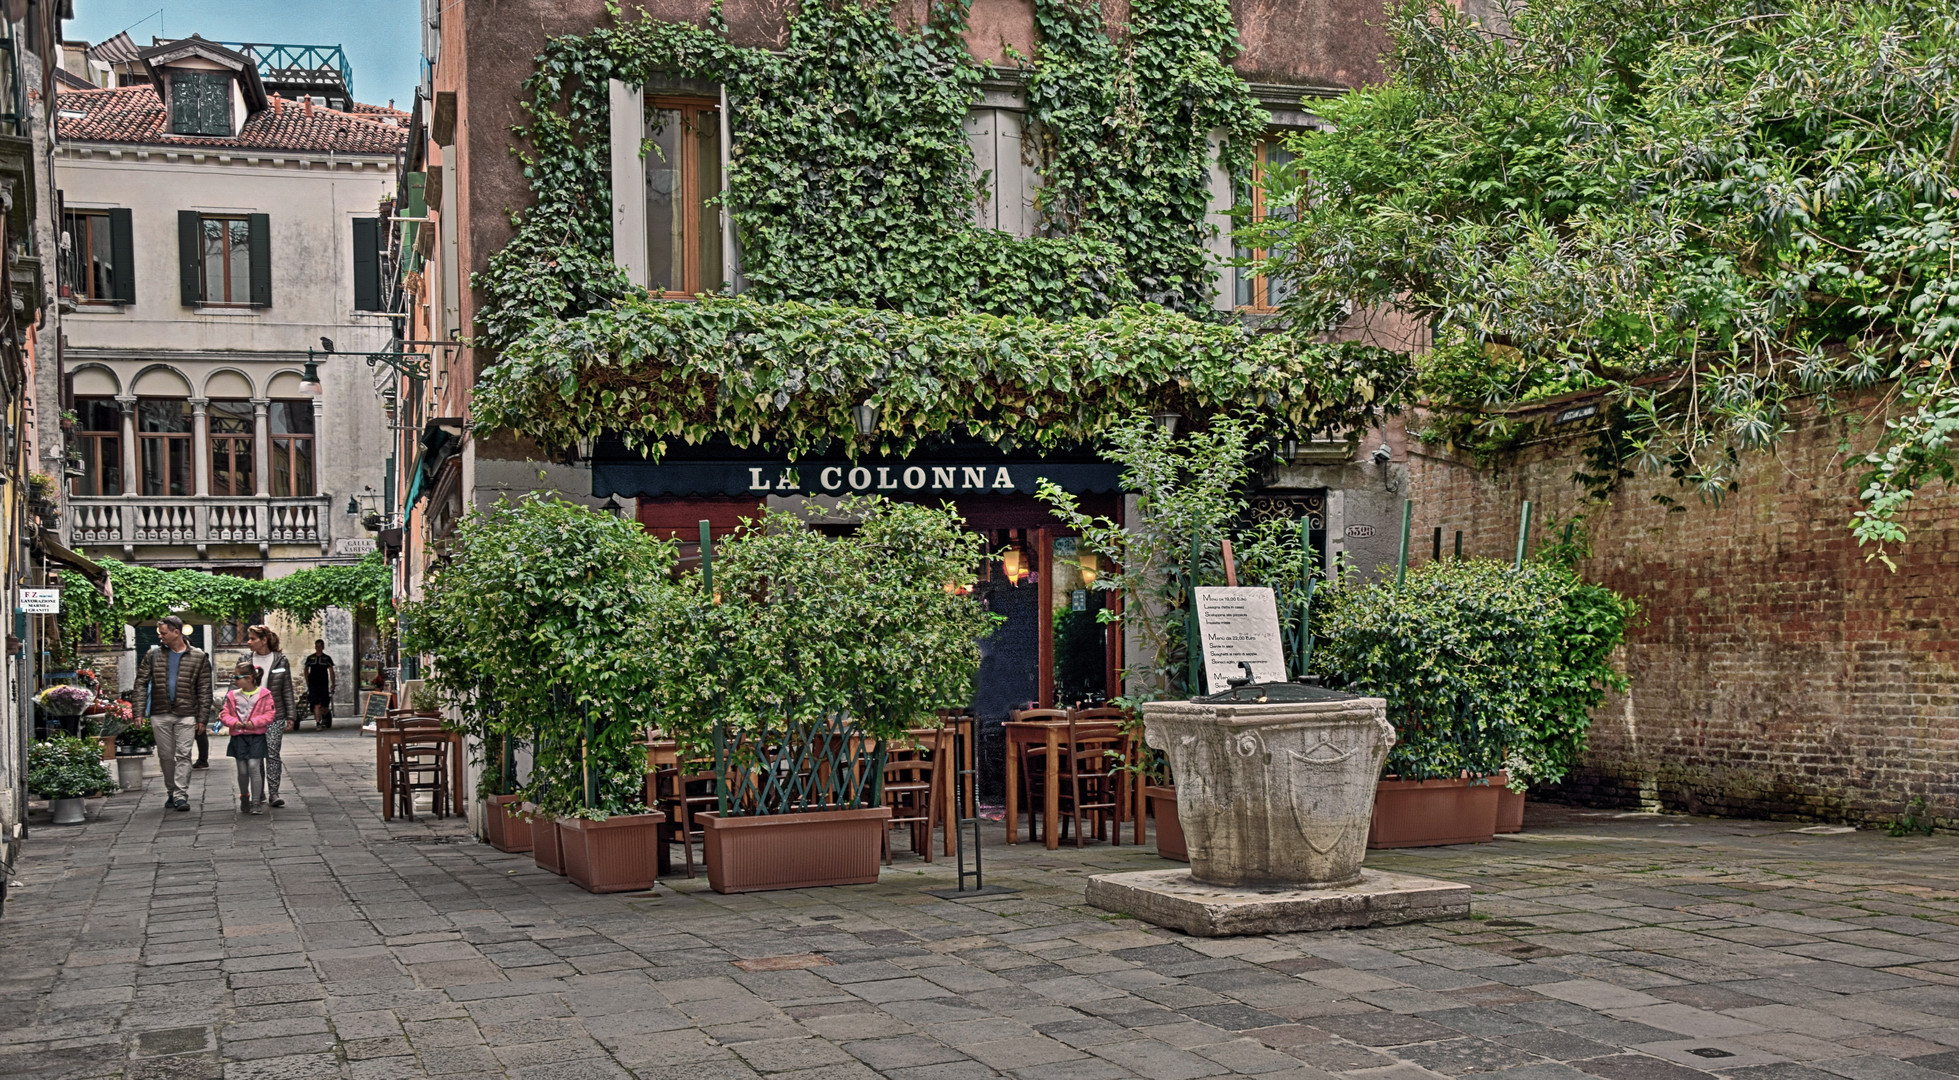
248,712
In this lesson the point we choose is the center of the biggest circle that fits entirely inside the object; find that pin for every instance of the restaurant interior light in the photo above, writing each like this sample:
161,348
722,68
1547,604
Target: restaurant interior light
1013,563
1091,568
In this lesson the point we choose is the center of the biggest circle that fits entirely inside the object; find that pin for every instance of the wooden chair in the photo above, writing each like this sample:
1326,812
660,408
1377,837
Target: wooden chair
1092,771
1032,763
687,789
912,776
421,763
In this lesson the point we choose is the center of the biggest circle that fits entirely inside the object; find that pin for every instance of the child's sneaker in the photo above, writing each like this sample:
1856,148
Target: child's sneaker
244,804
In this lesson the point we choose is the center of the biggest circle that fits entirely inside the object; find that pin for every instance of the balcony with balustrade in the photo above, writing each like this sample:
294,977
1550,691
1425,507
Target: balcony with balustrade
130,521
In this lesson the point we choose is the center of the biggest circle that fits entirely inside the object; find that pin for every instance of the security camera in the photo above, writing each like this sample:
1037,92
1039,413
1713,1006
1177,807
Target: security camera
1382,454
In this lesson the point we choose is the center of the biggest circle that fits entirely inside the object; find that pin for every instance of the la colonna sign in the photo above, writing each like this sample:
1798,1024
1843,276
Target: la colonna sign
967,469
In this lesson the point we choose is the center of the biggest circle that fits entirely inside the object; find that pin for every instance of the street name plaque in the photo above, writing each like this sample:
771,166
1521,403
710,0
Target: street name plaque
1238,626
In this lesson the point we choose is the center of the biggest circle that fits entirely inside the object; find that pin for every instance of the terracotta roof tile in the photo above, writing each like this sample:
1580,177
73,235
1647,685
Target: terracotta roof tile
134,114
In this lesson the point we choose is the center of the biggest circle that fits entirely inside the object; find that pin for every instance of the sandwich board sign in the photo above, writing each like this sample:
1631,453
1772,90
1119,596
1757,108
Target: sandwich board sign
1239,626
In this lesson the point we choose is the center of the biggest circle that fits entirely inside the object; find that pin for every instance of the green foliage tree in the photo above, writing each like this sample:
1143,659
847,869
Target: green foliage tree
1702,210
144,594
550,623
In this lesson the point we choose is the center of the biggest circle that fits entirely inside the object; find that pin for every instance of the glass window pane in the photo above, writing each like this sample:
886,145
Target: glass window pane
707,147
292,417
231,417
302,467
282,466
153,466
241,261
214,261
181,476
163,415
665,217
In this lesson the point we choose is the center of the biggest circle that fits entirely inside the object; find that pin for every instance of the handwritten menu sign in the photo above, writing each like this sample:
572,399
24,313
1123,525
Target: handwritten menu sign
1239,625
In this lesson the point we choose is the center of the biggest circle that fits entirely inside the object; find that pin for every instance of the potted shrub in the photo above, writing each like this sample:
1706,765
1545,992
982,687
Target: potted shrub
503,827
66,770
134,741
803,654
556,612
1490,671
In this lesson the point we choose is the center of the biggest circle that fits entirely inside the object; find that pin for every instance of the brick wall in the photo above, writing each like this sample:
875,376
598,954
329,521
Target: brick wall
1777,673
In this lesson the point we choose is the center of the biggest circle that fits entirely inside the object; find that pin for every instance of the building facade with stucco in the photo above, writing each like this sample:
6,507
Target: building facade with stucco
219,244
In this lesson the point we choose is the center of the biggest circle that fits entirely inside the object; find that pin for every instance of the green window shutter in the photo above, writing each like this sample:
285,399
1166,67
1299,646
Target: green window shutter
367,264
190,261
261,260
200,103
122,247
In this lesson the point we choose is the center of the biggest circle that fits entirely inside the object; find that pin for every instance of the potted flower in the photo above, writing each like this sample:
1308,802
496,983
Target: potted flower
804,654
66,770
1490,671
134,740
70,701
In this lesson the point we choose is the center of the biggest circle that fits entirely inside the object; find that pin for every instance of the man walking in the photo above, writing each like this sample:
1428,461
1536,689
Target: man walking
173,685
319,684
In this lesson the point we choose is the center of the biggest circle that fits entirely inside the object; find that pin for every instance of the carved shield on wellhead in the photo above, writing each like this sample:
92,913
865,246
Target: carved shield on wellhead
1328,781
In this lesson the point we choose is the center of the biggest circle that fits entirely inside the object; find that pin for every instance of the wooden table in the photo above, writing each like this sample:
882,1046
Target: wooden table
1050,735
386,738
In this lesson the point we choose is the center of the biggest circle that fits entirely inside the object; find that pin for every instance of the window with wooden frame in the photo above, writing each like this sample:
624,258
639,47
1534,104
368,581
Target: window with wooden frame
1257,292
98,257
292,447
99,437
163,435
225,259
683,187
232,433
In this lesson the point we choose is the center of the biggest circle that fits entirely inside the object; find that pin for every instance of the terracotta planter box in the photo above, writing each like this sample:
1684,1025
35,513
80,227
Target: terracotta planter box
1169,829
1509,806
1430,813
619,854
108,747
793,851
504,830
545,847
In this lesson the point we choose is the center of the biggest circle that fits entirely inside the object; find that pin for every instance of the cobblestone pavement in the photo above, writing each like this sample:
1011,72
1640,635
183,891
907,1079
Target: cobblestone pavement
321,942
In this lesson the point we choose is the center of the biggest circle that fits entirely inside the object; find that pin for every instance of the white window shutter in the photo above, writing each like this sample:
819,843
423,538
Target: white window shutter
628,181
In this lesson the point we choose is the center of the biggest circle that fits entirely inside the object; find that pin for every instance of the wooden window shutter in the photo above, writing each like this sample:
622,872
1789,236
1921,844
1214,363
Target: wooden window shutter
261,260
122,248
367,264
190,261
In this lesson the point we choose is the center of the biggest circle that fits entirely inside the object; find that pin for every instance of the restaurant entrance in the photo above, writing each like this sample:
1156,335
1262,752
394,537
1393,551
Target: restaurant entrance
1050,649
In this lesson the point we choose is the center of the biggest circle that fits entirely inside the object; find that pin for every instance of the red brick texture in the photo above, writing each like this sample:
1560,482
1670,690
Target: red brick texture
1776,672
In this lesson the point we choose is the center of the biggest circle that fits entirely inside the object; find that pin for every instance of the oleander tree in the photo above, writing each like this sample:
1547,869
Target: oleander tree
1702,211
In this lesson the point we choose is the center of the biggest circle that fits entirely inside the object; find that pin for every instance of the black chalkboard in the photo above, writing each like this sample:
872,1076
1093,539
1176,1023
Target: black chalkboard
374,706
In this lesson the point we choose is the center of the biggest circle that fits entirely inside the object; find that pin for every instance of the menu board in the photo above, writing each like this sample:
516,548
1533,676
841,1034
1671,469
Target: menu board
1236,626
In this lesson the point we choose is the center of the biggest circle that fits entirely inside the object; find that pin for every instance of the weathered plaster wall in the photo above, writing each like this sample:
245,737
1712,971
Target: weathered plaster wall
1777,672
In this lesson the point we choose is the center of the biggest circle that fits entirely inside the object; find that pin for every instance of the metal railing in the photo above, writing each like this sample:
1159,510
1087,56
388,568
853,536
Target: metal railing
209,519
277,60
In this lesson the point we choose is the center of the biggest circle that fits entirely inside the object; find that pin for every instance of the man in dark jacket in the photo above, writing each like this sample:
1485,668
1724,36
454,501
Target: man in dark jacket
173,683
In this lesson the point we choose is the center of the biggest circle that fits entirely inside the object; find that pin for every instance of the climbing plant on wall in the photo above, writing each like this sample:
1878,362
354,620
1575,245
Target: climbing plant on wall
851,191
148,593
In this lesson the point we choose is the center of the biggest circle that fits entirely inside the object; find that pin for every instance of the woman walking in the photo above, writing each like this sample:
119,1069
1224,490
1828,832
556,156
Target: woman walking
275,678
247,715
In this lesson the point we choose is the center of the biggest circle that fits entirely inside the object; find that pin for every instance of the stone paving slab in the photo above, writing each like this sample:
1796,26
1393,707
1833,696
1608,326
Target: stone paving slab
319,941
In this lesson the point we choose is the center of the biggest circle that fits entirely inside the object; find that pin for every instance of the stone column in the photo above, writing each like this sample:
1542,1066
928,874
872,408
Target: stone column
132,481
200,444
262,445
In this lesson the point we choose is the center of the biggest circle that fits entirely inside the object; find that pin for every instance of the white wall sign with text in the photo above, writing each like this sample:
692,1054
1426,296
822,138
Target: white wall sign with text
40,601
348,545
1239,625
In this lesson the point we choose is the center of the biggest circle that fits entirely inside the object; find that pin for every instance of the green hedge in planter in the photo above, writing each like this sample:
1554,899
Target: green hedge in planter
65,767
806,640
1485,667
548,623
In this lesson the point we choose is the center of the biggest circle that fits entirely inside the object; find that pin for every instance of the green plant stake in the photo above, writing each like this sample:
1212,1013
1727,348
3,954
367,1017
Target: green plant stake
1523,534
1307,580
1191,647
1401,559
707,560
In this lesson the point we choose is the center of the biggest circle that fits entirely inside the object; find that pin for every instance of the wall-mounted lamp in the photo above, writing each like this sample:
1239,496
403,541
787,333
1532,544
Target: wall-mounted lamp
613,506
1168,421
865,417
309,380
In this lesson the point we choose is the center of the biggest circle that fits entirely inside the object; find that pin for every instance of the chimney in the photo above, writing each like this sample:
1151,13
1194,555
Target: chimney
308,106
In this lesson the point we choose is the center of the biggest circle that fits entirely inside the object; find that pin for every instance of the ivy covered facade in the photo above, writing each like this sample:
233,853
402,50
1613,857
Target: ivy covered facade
735,258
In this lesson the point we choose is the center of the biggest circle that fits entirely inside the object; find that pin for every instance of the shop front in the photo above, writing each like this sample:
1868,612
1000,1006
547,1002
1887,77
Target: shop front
1052,649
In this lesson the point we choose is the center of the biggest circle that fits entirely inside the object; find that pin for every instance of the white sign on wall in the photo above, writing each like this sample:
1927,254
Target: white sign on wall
1239,625
348,545
40,601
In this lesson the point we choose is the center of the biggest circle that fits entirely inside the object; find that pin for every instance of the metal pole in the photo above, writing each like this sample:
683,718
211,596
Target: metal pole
1523,535
1401,560
707,560
1304,650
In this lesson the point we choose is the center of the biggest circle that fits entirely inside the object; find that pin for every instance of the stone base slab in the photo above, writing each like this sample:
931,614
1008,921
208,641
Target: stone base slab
1380,898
